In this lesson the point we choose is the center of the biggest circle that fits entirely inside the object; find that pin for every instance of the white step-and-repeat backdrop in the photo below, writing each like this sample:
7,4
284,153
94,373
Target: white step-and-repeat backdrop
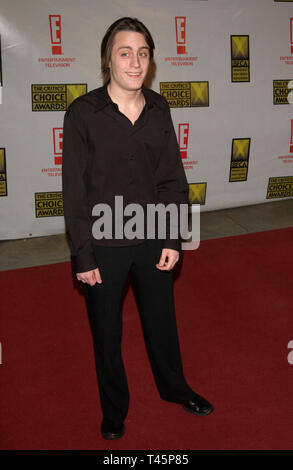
225,66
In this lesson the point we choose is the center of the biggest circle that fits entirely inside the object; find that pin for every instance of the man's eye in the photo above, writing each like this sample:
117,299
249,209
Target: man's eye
125,54
143,54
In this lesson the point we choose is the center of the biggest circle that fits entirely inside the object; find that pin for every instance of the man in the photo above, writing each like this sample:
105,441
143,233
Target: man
119,140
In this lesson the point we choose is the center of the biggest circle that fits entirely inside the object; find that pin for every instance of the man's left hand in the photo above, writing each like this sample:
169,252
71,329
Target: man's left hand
168,259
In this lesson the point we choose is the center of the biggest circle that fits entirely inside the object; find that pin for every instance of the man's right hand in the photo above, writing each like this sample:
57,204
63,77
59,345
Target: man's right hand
90,277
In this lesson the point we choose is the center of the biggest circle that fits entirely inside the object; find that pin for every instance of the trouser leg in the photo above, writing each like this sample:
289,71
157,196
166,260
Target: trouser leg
105,317
154,293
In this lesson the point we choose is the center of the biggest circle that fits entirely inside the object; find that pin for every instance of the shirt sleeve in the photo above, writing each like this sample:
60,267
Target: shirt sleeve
171,180
75,202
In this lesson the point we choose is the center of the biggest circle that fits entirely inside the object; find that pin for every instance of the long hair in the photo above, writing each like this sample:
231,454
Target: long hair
122,24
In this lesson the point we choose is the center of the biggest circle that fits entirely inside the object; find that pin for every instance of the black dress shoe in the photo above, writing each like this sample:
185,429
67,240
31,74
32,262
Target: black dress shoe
198,406
110,430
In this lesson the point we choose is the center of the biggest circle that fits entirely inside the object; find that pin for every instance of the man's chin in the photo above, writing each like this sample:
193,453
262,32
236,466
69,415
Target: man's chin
134,87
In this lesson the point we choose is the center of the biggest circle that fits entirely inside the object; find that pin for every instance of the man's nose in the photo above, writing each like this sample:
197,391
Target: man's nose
135,60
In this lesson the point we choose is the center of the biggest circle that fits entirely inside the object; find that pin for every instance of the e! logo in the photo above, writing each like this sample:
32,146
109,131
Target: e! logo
183,131
290,355
291,34
58,144
180,27
55,31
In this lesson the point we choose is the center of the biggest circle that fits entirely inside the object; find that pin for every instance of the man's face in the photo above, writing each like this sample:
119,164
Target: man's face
130,59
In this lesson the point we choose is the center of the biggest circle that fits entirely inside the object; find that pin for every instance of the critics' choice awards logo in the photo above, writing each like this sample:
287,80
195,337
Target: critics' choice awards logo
180,35
48,97
282,91
185,94
3,173
280,187
239,159
56,59
49,204
240,63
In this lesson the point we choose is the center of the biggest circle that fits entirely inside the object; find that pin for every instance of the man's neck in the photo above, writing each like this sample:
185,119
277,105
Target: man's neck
125,98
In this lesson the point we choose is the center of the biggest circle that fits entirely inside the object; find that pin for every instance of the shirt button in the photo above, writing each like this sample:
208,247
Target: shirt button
131,157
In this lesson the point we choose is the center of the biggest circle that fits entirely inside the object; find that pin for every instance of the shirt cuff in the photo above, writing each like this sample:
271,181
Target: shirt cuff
172,244
83,263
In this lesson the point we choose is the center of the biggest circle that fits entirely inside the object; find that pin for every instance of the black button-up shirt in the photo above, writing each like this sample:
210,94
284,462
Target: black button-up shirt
105,155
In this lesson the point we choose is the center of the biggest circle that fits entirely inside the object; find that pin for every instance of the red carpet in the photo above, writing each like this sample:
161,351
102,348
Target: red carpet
234,304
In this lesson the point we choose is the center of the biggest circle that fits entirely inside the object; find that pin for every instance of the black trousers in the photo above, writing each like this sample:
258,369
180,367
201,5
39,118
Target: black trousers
154,294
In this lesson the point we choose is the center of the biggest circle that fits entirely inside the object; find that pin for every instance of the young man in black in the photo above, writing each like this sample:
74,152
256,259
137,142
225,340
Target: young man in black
119,140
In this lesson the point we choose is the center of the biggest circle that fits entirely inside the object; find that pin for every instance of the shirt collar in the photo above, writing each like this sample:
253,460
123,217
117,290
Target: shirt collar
103,99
